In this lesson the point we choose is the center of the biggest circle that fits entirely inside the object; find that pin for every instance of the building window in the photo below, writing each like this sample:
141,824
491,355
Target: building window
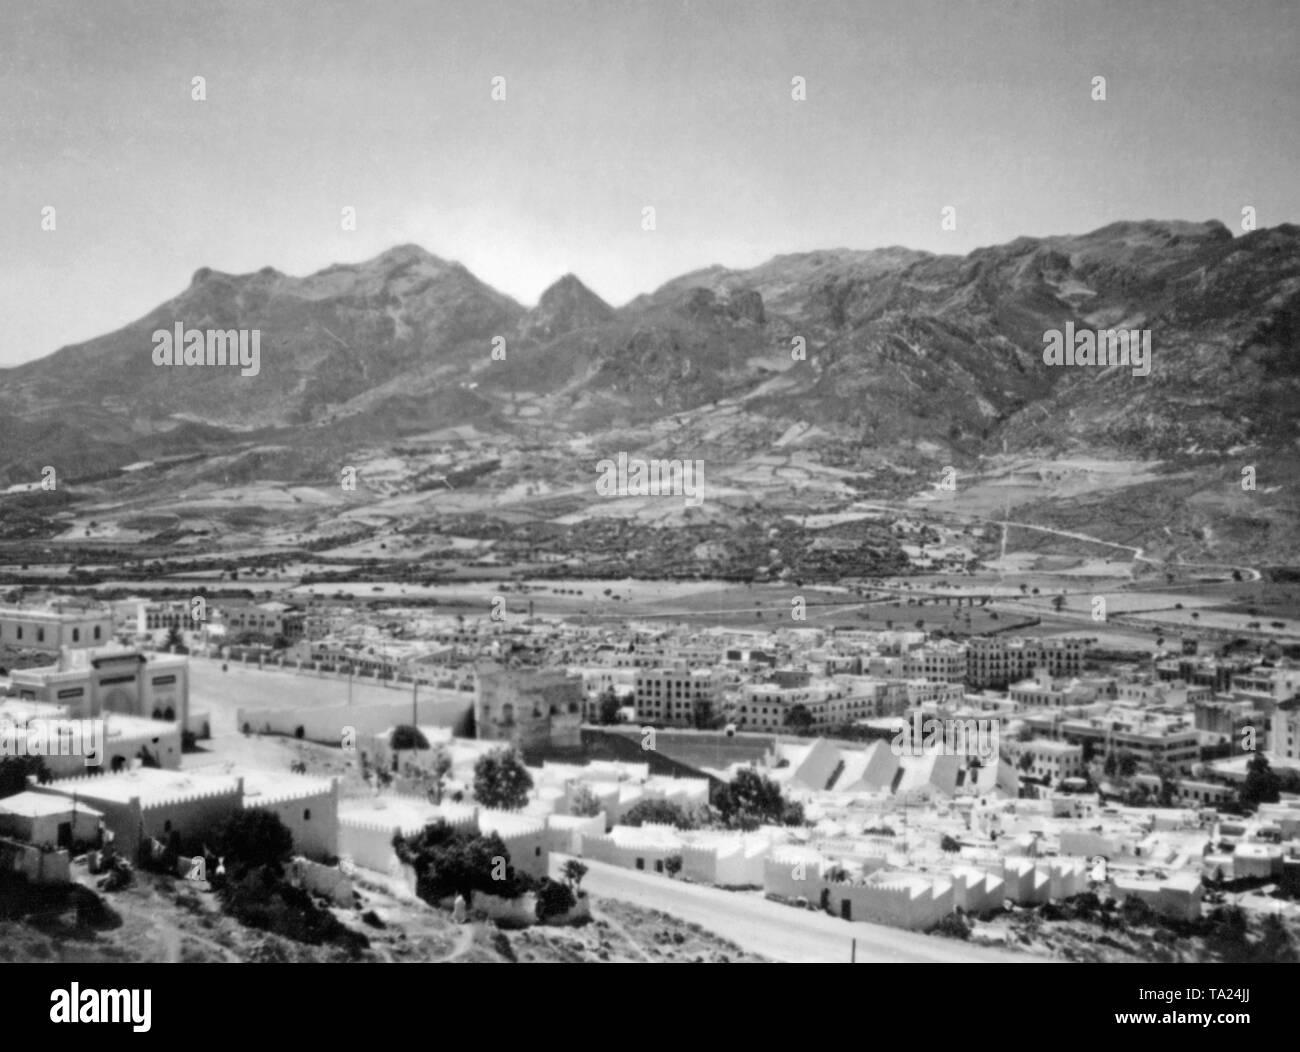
97,631
306,814
640,863
40,635
20,631
76,635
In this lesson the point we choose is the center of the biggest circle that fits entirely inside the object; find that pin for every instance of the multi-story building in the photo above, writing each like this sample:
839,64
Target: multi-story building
932,692
1230,718
1276,682
830,702
1150,737
1044,692
679,696
56,624
144,616
944,662
265,619
996,661
1215,673
1284,735
1051,761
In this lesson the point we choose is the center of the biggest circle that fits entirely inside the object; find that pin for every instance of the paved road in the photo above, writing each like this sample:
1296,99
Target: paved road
774,930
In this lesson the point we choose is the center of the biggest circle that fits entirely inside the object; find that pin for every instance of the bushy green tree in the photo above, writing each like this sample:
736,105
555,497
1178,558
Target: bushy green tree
253,839
553,899
659,812
501,780
799,719
1262,785
407,737
573,872
750,800
449,861
14,771
609,706
584,803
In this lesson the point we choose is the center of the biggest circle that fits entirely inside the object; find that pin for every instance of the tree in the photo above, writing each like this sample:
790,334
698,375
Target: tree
799,719
1026,761
673,865
1276,944
1058,602
252,839
14,771
750,800
440,768
1128,765
1111,765
658,812
949,844
553,899
501,780
1136,912
175,641
407,737
609,707
573,872
1262,785
585,803
450,861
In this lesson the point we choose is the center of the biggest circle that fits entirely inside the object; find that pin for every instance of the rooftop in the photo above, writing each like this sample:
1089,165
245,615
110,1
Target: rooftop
40,805
150,784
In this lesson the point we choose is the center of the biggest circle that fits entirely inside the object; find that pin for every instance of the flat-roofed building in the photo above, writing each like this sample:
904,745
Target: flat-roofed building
148,802
1150,737
55,625
998,661
1284,734
1045,692
308,807
1051,761
41,819
680,696
89,683
944,662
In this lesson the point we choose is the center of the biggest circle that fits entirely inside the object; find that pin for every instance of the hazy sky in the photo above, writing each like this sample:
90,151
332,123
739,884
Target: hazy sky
610,106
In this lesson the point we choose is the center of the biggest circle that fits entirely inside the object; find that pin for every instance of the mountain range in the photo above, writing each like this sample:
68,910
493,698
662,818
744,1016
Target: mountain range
859,361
